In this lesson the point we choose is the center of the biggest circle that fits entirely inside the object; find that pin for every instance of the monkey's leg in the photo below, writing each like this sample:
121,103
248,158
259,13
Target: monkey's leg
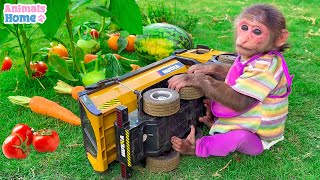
222,144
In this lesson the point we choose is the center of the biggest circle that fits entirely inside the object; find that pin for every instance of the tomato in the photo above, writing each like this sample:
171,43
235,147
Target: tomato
7,64
59,50
113,42
14,146
130,45
38,68
45,140
25,131
94,33
89,57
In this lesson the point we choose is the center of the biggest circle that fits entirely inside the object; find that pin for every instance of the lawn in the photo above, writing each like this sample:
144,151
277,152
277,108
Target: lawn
297,157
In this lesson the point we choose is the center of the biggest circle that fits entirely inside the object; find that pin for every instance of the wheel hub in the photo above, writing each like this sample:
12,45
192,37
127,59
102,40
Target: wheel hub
161,95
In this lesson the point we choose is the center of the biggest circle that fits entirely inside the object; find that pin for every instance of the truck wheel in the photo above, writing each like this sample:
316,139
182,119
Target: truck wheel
161,102
165,163
227,58
190,93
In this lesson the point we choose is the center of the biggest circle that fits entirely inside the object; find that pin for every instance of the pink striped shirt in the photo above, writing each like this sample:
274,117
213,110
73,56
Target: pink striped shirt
260,78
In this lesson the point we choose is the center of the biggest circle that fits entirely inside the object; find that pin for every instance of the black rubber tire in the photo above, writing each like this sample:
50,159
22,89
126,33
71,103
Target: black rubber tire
190,93
225,58
161,102
163,163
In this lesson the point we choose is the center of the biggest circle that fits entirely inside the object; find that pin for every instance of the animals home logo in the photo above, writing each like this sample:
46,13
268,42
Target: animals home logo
24,13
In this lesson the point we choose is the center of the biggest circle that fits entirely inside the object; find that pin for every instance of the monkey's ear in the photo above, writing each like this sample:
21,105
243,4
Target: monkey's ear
282,39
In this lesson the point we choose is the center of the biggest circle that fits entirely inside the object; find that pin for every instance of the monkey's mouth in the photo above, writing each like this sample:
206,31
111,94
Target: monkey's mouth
243,48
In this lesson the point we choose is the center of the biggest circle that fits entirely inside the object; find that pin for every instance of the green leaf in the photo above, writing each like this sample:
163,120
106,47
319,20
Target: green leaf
127,14
79,3
124,33
122,43
1,9
7,49
60,65
4,33
56,12
104,45
79,56
92,24
113,67
101,10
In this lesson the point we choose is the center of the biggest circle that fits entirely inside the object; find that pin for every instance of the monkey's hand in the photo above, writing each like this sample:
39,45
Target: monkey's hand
208,119
202,68
179,81
217,71
185,146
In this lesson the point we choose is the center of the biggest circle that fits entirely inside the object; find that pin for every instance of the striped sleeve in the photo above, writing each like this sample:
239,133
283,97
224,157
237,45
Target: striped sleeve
256,82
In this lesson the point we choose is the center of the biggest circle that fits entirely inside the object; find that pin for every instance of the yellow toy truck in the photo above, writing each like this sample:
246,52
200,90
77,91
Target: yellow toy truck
111,118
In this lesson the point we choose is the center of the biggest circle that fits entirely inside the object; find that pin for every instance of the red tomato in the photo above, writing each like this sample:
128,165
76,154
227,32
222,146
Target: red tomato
45,140
94,33
38,68
7,64
25,132
14,146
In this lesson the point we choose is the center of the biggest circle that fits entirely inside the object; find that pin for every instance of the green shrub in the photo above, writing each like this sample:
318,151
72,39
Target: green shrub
160,12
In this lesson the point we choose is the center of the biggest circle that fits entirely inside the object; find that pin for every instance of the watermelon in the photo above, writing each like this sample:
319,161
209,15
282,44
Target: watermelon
160,40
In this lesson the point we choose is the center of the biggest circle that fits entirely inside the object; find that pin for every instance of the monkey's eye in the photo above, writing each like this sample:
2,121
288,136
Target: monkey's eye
244,27
257,31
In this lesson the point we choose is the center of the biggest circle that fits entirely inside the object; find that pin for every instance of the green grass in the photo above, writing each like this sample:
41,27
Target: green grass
297,157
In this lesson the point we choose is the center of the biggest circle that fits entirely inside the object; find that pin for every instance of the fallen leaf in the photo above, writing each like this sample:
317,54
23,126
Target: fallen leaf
311,32
216,174
207,9
313,20
74,145
214,19
236,157
307,155
223,36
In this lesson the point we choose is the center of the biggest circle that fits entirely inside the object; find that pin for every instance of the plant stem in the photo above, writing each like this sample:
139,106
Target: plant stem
107,3
127,59
33,32
69,28
83,68
96,65
19,41
102,24
79,32
28,48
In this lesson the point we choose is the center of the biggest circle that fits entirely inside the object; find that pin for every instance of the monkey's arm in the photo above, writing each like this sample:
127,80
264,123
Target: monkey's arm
213,89
223,93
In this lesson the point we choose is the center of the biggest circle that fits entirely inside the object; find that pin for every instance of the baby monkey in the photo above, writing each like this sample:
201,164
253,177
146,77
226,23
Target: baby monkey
247,110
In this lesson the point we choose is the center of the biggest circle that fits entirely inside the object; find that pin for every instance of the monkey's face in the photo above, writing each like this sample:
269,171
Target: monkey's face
252,37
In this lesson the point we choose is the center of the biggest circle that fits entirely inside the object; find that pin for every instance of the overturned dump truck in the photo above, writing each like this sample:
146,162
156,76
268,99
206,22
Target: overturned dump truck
132,118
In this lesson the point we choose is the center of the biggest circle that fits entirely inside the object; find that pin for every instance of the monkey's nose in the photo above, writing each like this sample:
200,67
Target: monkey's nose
242,39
